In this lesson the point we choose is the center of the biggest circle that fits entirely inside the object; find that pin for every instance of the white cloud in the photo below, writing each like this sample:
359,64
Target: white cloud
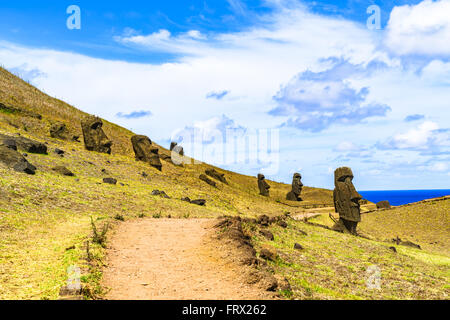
347,146
420,29
427,136
253,64
163,40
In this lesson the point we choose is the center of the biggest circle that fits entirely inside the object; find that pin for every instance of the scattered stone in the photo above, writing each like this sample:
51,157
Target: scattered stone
263,220
199,202
298,246
110,180
64,171
216,175
186,199
268,254
410,244
383,205
30,146
160,193
407,243
263,185
15,160
144,174
59,151
346,201
207,180
145,152
95,138
59,131
267,234
10,143
283,224
25,155
297,186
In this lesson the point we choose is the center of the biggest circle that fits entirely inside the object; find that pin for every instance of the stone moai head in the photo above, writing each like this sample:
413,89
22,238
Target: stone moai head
297,186
346,198
95,138
263,185
144,151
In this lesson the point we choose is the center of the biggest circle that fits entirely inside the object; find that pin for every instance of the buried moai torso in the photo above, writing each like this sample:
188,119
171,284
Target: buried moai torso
94,137
144,151
263,185
346,198
297,186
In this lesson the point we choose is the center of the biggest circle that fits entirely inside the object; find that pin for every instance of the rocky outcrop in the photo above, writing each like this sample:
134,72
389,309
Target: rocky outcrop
13,159
144,151
95,138
207,180
383,205
59,131
216,175
63,171
110,181
24,144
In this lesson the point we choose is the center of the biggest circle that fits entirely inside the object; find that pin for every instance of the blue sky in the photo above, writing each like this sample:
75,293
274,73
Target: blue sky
331,90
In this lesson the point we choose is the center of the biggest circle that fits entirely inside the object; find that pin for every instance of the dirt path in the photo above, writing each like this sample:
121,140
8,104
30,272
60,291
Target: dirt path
162,259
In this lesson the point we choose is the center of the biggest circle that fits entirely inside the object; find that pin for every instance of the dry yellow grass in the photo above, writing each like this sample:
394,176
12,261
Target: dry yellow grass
43,215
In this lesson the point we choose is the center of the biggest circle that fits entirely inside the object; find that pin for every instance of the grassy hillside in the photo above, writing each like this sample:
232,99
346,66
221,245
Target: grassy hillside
45,218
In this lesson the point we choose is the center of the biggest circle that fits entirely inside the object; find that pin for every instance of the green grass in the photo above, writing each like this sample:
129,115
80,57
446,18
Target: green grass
334,265
43,215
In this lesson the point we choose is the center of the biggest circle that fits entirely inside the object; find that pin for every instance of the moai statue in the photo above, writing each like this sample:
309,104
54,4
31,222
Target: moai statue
59,131
297,186
94,137
263,185
144,151
346,201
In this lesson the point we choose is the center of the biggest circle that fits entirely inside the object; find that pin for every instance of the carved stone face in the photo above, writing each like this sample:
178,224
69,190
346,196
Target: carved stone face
297,184
346,198
144,151
263,185
95,138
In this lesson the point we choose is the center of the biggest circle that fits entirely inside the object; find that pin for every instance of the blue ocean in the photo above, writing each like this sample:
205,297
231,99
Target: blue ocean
400,197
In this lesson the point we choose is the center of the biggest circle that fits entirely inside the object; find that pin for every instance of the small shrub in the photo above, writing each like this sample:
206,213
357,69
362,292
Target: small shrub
157,215
99,238
119,217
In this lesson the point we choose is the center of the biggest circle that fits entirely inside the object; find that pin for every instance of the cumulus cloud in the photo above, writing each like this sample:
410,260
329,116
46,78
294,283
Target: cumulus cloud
217,95
414,117
314,101
210,131
427,138
422,29
27,73
134,114
163,40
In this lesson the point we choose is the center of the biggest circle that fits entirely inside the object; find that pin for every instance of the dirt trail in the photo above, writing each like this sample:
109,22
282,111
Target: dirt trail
162,259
